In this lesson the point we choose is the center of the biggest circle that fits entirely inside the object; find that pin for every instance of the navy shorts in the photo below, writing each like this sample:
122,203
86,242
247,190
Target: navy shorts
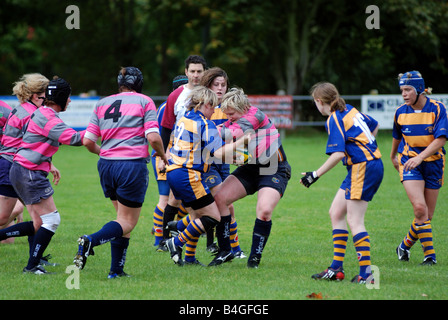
250,175
429,171
6,188
216,174
188,186
124,180
162,184
363,180
31,186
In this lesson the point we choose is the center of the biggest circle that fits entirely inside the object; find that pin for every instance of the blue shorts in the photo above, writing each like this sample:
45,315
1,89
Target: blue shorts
429,171
252,179
216,174
6,188
162,184
188,186
363,180
31,186
124,180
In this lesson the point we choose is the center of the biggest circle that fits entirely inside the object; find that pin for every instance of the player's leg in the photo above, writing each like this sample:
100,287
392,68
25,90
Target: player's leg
158,219
207,214
169,213
356,210
46,220
338,212
230,191
267,200
415,190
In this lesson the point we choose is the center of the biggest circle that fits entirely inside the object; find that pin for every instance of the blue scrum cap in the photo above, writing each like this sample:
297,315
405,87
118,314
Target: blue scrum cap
179,80
413,79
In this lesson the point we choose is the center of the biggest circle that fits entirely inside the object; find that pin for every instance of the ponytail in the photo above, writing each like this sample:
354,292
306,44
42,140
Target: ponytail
328,93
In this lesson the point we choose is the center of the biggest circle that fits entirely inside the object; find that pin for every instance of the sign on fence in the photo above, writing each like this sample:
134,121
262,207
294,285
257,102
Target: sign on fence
382,107
277,108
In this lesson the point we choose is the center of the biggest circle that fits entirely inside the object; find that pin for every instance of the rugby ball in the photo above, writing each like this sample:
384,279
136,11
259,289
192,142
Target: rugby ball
242,156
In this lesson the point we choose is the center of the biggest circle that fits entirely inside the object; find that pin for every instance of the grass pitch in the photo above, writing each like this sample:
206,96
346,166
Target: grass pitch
300,243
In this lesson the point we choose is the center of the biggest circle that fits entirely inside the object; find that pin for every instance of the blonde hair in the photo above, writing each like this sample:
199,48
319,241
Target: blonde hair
235,99
200,96
328,94
28,85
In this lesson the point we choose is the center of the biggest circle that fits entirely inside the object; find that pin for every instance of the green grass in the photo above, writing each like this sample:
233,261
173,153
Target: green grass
299,245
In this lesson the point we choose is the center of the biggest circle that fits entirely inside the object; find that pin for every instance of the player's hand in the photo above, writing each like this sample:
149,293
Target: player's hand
394,160
56,174
309,178
412,163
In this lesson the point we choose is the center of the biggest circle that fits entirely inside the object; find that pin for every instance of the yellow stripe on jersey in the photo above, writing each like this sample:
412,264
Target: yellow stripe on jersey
416,118
218,117
337,123
419,141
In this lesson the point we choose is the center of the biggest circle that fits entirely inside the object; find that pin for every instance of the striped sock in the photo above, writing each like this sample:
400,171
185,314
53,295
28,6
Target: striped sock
191,233
182,212
158,225
362,246
340,238
424,233
234,241
190,250
183,223
410,238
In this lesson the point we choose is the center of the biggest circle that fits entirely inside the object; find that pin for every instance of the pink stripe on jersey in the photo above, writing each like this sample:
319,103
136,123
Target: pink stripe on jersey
45,132
12,131
121,121
266,138
125,152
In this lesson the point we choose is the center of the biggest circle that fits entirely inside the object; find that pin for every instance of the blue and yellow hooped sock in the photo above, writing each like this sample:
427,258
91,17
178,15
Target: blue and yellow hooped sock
424,233
340,238
158,225
362,246
191,233
410,239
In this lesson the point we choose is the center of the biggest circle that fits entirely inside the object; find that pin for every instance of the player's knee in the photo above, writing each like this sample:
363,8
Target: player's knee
3,220
51,221
208,223
420,209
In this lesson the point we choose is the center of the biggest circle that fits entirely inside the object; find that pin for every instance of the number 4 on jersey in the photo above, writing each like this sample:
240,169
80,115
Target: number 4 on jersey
113,112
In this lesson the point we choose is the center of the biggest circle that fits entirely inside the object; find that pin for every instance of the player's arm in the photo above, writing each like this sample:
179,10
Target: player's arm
310,177
228,149
165,134
393,152
156,143
89,141
433,147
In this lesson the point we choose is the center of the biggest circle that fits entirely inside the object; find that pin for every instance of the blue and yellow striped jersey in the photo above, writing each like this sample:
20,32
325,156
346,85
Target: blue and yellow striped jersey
218,117
194,139
417,129
350,131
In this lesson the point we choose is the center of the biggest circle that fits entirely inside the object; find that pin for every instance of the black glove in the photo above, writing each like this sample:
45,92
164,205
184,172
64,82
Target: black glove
309,178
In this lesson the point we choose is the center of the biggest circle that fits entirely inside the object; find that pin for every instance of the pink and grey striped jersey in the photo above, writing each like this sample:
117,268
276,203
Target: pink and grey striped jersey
5,110
122,121
43,135
13,129
265,140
